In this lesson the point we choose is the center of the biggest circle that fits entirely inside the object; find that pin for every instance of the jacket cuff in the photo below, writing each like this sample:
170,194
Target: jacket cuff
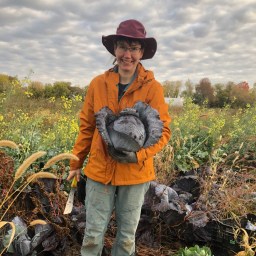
141,155
74,165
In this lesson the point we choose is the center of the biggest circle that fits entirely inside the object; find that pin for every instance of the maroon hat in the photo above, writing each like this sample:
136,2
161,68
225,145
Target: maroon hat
132,29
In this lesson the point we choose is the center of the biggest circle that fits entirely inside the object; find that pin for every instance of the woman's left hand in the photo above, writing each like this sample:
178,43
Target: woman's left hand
122,156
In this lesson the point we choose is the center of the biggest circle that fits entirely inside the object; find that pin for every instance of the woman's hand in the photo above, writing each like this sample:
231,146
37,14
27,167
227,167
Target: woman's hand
122,156
74,173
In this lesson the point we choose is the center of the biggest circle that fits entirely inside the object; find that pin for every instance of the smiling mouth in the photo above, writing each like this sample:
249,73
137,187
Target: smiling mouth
127,61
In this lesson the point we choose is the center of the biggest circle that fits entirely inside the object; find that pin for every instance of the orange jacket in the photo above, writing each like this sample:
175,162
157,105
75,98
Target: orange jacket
103,91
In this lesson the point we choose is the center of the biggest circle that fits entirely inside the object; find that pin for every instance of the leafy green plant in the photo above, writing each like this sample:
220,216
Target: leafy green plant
195,251
198,132
193,136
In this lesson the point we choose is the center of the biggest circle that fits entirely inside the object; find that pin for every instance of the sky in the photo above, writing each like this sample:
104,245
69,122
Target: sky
60,40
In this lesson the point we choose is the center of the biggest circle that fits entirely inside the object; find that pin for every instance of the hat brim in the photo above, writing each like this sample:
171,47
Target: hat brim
149,50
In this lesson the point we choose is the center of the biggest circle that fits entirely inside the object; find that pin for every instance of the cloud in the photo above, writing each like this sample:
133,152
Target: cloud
61,39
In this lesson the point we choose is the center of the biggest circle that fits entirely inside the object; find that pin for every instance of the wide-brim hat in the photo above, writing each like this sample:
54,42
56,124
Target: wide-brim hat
132,29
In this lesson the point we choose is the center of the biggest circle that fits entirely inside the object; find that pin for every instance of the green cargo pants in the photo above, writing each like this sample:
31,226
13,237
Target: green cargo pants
100,201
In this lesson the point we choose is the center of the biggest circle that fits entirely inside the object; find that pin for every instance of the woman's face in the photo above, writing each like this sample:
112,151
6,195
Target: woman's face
128,55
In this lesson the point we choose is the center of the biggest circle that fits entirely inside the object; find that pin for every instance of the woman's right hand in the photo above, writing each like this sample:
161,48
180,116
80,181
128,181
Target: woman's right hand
74,173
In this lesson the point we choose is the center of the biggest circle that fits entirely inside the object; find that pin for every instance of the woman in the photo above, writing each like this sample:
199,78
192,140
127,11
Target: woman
118,181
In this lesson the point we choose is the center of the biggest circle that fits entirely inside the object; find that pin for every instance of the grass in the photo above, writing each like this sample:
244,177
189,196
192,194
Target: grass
12,195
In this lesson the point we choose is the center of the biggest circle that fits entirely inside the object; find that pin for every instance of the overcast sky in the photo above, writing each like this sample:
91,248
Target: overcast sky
60,40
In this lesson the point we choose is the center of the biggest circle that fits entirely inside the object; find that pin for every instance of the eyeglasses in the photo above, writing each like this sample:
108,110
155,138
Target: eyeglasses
132,50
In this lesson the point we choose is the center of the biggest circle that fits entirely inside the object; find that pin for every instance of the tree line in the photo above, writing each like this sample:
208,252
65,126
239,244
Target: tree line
213,96
203,93
36,89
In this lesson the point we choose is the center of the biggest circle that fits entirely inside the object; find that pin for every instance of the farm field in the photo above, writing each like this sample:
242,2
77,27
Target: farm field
214,150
